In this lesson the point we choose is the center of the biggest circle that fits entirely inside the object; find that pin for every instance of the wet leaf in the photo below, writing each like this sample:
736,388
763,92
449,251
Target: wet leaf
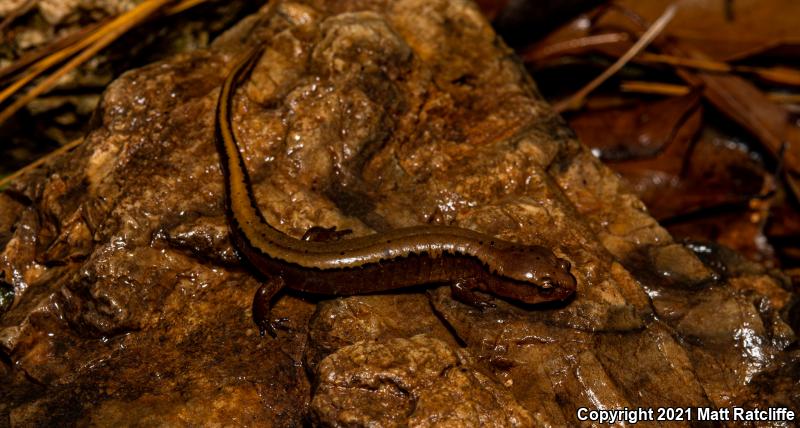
749,107
695,184
722,50
724,30
638,132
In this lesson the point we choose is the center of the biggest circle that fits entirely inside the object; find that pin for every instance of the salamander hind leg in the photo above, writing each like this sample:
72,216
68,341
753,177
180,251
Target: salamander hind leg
262,307
324,234
463,291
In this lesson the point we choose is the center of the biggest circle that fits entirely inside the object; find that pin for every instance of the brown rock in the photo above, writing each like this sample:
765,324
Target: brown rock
418,382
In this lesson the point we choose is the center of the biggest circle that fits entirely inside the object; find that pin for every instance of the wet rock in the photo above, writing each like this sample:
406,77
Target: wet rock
409,382
343,322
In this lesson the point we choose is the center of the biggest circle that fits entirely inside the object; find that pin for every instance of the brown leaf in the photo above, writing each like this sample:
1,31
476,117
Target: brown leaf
725,30
747,105
732,228
640,132
689,173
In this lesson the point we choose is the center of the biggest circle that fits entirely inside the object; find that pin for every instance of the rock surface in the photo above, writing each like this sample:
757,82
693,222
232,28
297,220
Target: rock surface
131,305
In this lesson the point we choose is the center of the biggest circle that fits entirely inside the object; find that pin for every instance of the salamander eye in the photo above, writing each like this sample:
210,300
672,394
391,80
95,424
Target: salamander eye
564,265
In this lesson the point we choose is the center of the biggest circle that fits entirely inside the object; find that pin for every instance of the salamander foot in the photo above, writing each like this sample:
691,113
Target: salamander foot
462,290
262,307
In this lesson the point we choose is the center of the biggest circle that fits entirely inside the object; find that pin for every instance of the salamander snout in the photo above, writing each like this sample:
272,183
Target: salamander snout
536,275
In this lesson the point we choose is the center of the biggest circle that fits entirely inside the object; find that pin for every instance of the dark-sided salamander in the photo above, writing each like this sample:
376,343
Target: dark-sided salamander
320,263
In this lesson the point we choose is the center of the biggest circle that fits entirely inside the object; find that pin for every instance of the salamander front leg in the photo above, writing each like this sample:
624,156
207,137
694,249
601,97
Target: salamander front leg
262,306
324,234
463,291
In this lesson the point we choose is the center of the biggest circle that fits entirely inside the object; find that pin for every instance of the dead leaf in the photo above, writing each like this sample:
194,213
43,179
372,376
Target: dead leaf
633,133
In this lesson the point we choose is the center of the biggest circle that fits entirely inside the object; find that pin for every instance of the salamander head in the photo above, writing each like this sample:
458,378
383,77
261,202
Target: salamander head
533,274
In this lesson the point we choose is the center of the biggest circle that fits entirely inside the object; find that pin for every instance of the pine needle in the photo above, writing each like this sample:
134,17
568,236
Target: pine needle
45,63
95,38
85,48
575,101
697,64
654,88
99,40
183,5
674,90
9,72
26,60
540,53
38,162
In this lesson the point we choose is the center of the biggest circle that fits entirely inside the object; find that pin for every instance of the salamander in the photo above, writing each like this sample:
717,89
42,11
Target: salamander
324,262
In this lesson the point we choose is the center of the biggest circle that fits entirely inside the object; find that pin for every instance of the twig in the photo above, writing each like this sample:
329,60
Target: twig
575,101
